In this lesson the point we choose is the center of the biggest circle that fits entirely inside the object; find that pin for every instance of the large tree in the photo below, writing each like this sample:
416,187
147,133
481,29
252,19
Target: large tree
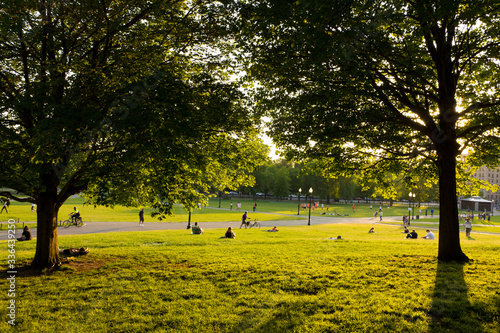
121,99
383,84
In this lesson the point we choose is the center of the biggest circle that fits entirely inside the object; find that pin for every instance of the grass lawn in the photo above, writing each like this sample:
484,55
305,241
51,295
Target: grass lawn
492,226
295,280
22,212
290,207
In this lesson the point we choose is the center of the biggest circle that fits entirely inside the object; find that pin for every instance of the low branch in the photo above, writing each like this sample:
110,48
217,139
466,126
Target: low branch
9,195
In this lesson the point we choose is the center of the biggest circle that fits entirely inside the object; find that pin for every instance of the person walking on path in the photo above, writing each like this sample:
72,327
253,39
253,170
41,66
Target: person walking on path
244,220
231,206
5,204
380,215
141,217
468,227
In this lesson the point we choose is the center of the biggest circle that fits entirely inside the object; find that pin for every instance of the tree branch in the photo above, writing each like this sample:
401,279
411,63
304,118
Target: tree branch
12,197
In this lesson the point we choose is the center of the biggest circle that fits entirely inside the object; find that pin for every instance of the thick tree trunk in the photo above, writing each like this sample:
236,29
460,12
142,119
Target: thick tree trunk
449,229
47,253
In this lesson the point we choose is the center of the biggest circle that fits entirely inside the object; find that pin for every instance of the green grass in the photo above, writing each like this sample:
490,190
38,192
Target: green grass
295,280
280,210
22,212
492,226
290,207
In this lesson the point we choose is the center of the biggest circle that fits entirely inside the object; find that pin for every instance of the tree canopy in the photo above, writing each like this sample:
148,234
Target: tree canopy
126,101
375,86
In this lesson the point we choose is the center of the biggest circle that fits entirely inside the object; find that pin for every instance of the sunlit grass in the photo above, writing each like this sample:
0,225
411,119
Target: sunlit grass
294,280
22,212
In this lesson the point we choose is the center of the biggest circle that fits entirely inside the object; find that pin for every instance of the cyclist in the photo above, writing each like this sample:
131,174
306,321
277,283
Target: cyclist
74,215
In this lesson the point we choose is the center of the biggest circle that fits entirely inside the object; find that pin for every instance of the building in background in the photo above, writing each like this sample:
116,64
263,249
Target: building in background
493,177
477,204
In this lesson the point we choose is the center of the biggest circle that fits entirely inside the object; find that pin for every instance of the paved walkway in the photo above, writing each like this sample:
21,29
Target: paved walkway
104,227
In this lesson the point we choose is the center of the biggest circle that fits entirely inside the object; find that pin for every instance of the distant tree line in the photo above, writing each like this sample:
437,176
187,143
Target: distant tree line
282,179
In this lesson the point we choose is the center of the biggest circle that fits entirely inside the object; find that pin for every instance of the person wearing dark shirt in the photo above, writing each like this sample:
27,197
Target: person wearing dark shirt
26,234
412,234
141,217
229,233
244,220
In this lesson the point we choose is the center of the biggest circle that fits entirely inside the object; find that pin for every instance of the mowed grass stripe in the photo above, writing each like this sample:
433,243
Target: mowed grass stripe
293,280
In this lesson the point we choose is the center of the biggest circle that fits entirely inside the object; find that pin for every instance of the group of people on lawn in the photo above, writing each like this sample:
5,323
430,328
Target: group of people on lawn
412,234
197,230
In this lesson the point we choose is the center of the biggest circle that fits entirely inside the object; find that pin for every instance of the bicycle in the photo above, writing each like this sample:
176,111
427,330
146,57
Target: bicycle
255,223
78,222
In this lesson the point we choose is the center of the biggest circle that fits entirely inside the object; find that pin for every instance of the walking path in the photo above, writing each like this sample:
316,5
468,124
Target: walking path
104,227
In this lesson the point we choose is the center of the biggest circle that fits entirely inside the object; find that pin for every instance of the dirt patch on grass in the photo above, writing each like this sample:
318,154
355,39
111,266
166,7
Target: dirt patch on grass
84,266
67,264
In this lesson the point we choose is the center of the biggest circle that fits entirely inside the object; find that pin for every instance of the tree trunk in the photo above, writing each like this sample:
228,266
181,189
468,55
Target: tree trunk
47,252
449,229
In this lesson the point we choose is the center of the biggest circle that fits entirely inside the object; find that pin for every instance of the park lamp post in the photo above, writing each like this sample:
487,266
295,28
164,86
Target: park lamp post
412,195
310,204
220,196
189,220
409,206
298,206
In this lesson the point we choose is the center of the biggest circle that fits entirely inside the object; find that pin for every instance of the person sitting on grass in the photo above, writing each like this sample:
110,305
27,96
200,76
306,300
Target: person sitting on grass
229,233
274,229
405,230
196,230
372,230
429,235
413,234
26,236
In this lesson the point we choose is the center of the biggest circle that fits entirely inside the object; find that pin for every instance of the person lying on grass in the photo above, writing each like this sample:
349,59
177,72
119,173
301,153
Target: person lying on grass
274,229
74,252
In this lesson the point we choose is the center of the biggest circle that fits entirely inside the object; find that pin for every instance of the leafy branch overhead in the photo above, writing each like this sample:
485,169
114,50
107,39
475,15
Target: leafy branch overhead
375,84
125,101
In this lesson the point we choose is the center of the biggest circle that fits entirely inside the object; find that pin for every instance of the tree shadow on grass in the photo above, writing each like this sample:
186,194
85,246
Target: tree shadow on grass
451,310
